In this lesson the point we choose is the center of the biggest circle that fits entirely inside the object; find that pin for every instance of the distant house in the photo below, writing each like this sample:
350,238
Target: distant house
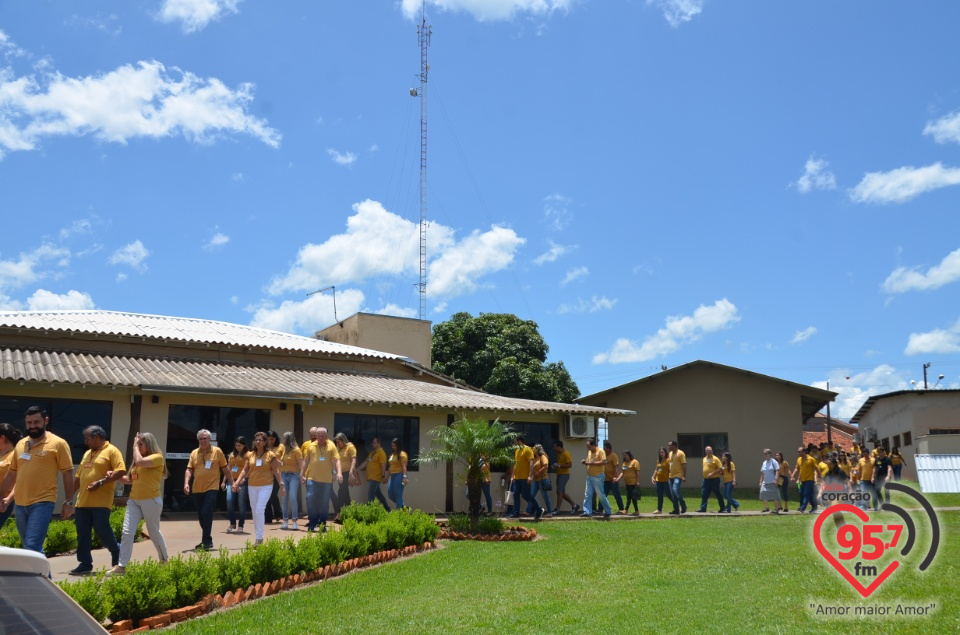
703,403
172,376
815,431
916,421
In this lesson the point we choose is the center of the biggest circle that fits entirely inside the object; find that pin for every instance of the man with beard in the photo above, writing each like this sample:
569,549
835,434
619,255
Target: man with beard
34,466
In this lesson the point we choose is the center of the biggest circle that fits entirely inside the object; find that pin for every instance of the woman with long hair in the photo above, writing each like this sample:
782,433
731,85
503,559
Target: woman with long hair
541,475
290,467
261,469
661,478
9,438
897,462
274,510
398,473
783,480
631,478
729,481
147,471
237,497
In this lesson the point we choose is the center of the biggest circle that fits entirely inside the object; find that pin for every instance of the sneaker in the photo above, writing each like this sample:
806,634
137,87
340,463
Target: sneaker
258,542
776,511
655,512
117,570
293,526
576,508
765,511
586,515
240,530
675,512
283,525
537,515
82,569
231,529
606,515
812,511
701,511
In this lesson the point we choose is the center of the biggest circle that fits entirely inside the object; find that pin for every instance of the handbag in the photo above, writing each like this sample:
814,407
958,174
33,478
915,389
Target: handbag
546,485
508,498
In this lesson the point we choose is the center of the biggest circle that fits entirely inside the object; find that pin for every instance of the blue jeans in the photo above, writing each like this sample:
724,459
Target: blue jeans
728,494
677,498
710,486
206,503
485,490
534,490
318,503
289,504
610,486
593,488
521,489
896,471
98,519
374,492
395,489
237,500
784,490
808,495
663,489
32,524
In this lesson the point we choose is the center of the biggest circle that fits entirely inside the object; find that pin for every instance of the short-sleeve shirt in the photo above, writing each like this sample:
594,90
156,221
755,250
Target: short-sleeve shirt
882,467
291,460
711,464
37,469
728,472
5,463
610,469
145,480
808,467
375,464
397,462
677,460
236,463
564,458
206,468
663,471
347,454
278,451
542,466
631,472
521,457
93,467
260,468
320,460
593,457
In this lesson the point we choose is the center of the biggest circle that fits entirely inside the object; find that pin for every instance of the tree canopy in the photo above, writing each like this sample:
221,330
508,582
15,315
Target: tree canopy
501,354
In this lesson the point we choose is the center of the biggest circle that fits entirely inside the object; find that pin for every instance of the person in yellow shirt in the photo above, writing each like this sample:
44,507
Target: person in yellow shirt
729,476
678,475
145,501
291,464
541,476
596,461
562,468
896,459
321,467
631,479
783,479
712,469
865,468
807,474
9,438
398,473
521,479
31,480
661,478
611,475
101,465
274,510
237,497
260,472
348,466
376,471
204,467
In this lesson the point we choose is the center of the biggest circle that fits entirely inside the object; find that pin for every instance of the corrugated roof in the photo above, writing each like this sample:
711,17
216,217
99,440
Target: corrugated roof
938,473
176,329
186,376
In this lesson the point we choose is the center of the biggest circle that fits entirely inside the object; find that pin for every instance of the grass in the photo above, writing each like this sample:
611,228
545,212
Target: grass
740,574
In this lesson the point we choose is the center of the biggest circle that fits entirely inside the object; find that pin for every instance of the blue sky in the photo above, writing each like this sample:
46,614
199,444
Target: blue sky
767,185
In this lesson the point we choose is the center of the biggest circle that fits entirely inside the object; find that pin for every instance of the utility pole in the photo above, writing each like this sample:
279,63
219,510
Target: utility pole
829,436
423,36
925,367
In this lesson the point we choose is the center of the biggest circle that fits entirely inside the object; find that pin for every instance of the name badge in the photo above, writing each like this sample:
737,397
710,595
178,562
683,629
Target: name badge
208,465
135,475
25,457
88,465
259,463
323,458
234,469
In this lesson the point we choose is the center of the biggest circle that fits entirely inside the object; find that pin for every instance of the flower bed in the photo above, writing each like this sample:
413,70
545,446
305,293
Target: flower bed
507,534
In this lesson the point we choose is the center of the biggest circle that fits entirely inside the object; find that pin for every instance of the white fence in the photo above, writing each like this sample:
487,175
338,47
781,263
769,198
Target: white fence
938,473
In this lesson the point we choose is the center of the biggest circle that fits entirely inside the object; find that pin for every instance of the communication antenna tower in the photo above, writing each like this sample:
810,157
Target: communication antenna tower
423,35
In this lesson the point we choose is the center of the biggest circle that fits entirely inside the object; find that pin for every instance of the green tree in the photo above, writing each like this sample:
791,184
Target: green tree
469,443
501,354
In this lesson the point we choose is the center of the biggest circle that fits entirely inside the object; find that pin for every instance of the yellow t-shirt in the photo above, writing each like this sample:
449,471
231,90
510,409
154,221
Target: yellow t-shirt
306,446
677,460
564,458
807,465
236,462
93,467
5,463
206,468
347,454
37,469
631,472
710,464
845,467
663,471
784,470
541,467
376,460
260,468
823,467
610,469
596,455
521,466
873,453
866,469
728,471
145,481
896,459
278,451
397,463
291,460
320,460
485,470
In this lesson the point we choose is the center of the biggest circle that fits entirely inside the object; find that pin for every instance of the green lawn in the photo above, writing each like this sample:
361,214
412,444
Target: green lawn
739,574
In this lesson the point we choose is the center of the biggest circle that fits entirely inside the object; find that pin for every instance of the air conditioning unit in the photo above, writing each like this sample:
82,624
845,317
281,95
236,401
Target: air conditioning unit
581,426
868,435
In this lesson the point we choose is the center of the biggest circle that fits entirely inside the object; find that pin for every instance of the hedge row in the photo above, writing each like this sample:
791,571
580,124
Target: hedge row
62,534
150,588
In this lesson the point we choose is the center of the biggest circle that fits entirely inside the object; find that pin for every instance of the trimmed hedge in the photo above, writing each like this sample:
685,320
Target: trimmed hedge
62,534
149,588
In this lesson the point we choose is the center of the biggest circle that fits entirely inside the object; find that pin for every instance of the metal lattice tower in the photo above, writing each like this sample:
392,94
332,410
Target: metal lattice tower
423,35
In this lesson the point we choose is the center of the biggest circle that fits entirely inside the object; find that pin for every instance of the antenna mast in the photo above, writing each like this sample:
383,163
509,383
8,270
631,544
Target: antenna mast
423,36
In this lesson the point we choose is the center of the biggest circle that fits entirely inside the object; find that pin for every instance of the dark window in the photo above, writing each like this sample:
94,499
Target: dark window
693,444
907,438
896,440
885,443
361,428
944,431
543,433
68,418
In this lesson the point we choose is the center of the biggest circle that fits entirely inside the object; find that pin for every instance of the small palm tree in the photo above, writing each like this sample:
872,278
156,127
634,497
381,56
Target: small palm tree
469,443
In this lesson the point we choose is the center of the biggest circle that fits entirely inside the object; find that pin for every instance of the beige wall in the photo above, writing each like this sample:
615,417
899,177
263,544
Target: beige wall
938,444
400,336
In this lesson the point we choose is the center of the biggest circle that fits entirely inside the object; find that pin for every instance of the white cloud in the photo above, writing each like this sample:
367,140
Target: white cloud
678,332
234,299
82,226
310,315
484,10
145,100
373,148
398,311
8,48
194,15
132,254
944,129
345,158
574,274
804,335
905,279
903,184
854,388
678,12
121,277
43,300
936,341
440,307
593,306
237,177
109,24
556,211
26,268
816,176
553,253
378,242
218,240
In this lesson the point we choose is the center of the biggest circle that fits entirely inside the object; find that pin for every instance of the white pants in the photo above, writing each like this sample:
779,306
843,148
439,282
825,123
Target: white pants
259,496
149,510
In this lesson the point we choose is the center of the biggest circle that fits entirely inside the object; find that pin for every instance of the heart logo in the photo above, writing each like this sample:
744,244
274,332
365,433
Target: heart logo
829,557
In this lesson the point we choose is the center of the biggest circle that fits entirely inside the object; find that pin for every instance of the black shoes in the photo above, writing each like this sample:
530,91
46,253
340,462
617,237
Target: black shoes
539,513
82,569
